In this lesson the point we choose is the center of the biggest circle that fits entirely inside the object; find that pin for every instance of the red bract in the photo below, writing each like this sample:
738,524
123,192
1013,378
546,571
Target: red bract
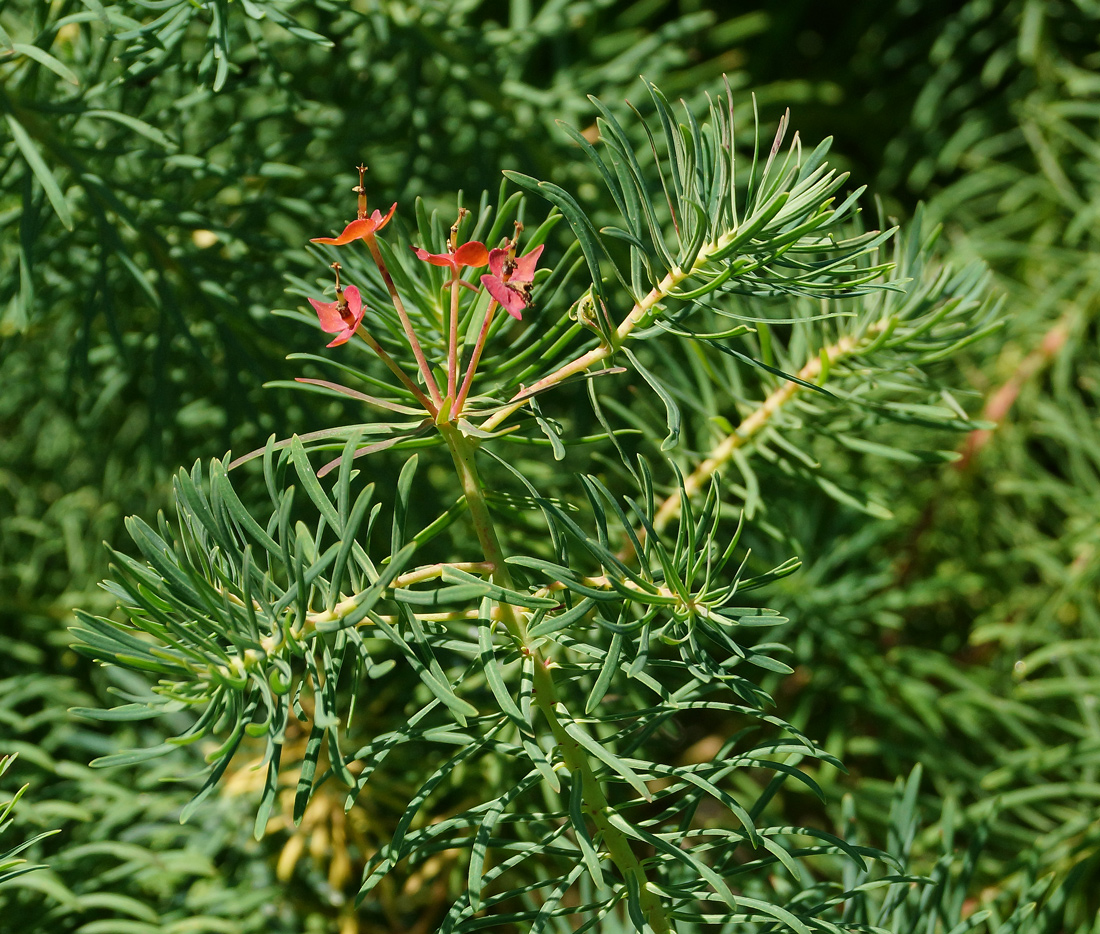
357,229
511,287
473,253
342,316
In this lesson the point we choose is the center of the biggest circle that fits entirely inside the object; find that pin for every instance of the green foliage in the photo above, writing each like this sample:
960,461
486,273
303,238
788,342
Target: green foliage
983,607
250,620
119,855
143,333
11,865
925,448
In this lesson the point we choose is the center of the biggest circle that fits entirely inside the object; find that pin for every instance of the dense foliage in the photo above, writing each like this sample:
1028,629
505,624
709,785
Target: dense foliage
162,165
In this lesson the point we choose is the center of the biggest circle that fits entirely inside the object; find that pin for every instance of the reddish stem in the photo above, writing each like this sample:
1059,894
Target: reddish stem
452,342
475,358
429,406
406,324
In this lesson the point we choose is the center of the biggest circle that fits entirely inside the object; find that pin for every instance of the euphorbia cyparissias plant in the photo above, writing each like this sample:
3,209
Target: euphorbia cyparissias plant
546,635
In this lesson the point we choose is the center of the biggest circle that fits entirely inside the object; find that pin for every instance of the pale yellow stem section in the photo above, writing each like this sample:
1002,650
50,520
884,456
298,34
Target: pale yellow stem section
752,424
431,571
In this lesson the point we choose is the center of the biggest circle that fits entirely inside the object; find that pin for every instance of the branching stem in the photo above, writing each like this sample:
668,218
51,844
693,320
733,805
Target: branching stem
637,314
545,690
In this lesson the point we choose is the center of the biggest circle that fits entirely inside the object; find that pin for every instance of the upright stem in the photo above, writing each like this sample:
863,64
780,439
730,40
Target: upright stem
452,340
406,324
462,452
545,692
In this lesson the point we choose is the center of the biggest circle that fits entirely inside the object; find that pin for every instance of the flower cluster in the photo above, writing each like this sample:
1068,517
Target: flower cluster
509,279
508,283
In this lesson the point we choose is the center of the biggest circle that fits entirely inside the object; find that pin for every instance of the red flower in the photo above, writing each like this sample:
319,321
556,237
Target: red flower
469,254
510,280
342,316
358,229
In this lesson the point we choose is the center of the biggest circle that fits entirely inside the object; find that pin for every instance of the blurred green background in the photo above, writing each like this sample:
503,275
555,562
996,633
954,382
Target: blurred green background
162,165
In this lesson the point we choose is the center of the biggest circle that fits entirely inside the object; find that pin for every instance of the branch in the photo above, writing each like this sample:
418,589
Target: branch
759,418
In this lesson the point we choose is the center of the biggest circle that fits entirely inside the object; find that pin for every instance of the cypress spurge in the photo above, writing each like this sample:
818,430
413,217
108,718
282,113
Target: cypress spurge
508,597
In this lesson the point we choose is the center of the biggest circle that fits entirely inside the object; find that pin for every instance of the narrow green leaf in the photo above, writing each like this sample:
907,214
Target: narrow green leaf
147,130
226,753
596,748
551,431
495,677
480,848
500,594
133,756
580,831
552,624
348,542
401,503
308,770
41,171
607,672
125,712
673,418
44,58
267,796
312,486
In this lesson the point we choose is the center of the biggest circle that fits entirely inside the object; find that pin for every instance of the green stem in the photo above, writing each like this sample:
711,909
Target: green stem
545,690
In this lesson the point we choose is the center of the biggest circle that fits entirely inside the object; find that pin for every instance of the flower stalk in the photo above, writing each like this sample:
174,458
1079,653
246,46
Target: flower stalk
406,324
475,357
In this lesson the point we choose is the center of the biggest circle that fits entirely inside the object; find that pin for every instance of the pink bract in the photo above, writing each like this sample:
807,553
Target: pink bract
512,299
341,317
